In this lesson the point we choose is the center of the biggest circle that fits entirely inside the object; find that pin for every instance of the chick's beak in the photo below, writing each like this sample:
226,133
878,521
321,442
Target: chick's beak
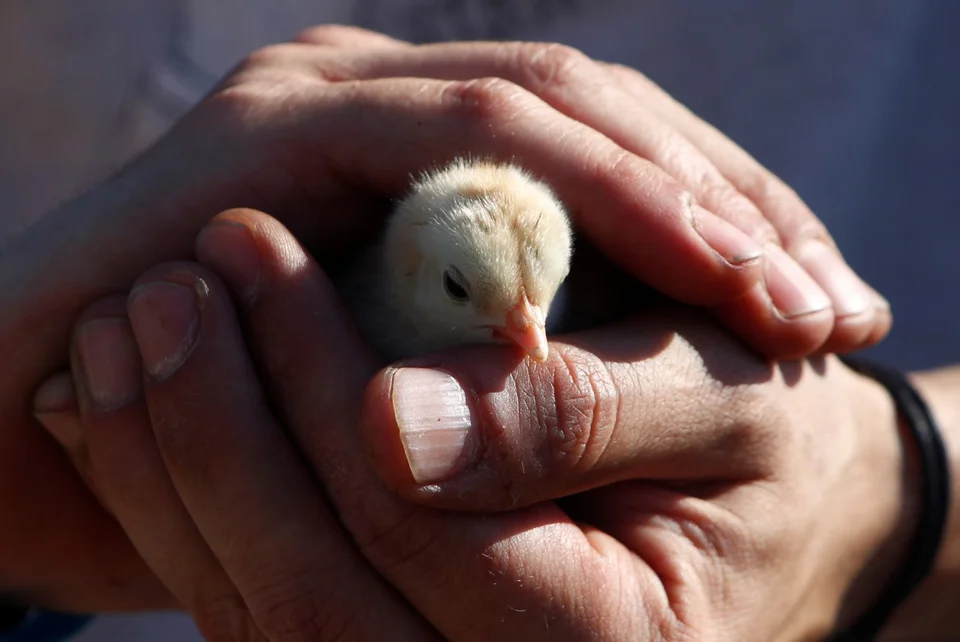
526,327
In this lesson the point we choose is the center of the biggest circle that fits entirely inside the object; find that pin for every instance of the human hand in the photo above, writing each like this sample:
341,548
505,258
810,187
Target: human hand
230,519
699,499
634,112
292,131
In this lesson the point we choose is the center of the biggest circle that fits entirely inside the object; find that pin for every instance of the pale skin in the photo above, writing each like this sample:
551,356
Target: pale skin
65,567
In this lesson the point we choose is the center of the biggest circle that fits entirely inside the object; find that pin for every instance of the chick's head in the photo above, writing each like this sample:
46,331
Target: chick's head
478,253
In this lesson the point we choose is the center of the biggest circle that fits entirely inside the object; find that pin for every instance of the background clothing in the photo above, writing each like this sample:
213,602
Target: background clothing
854,104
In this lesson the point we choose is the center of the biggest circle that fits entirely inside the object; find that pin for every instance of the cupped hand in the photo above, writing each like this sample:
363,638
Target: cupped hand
706,493
216,499
321,132
783,315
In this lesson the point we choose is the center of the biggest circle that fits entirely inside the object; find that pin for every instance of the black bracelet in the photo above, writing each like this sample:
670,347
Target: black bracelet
935,499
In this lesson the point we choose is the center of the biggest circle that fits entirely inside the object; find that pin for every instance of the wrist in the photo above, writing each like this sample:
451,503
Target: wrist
884,497
933,610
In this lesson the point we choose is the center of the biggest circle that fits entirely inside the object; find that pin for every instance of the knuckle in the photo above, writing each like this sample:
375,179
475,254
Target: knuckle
484,102
233,107
245,104
281,62
586,402
759,185
809,227
615,167
764,232
551,64
738,210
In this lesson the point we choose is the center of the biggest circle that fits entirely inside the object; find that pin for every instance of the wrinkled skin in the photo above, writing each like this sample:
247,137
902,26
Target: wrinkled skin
708,494
291,131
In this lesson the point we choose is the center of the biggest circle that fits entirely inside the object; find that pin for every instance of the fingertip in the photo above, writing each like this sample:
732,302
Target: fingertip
228,247
759,323
732,245
174,309
664,238
720,265
55,395
850,333
421,428
55,408
105,365
791,289
883,322
862,316
851,297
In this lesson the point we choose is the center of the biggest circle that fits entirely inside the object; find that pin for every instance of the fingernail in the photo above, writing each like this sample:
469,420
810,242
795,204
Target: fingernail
849,294
231,250
56,394
727,240
166,321
793,292
110,362
435,422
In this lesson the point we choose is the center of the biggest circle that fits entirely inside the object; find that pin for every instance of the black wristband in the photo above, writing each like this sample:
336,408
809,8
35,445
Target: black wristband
935,490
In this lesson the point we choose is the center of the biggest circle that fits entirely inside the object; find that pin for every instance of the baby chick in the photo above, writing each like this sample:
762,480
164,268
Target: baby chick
475,253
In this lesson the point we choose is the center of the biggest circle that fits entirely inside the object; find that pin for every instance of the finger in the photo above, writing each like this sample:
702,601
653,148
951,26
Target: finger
862,317
476,578
565,79
574,85
475,429
778,322
788,318
348,37
645,219
127,470
245,487
306,152
579,88
56,408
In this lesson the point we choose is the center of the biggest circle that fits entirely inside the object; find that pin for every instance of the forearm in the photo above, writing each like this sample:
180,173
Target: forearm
933,612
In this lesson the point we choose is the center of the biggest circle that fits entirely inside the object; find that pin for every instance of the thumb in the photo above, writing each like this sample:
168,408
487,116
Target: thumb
478,429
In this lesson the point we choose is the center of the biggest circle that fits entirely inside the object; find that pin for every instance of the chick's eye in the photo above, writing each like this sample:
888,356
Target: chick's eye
453,286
